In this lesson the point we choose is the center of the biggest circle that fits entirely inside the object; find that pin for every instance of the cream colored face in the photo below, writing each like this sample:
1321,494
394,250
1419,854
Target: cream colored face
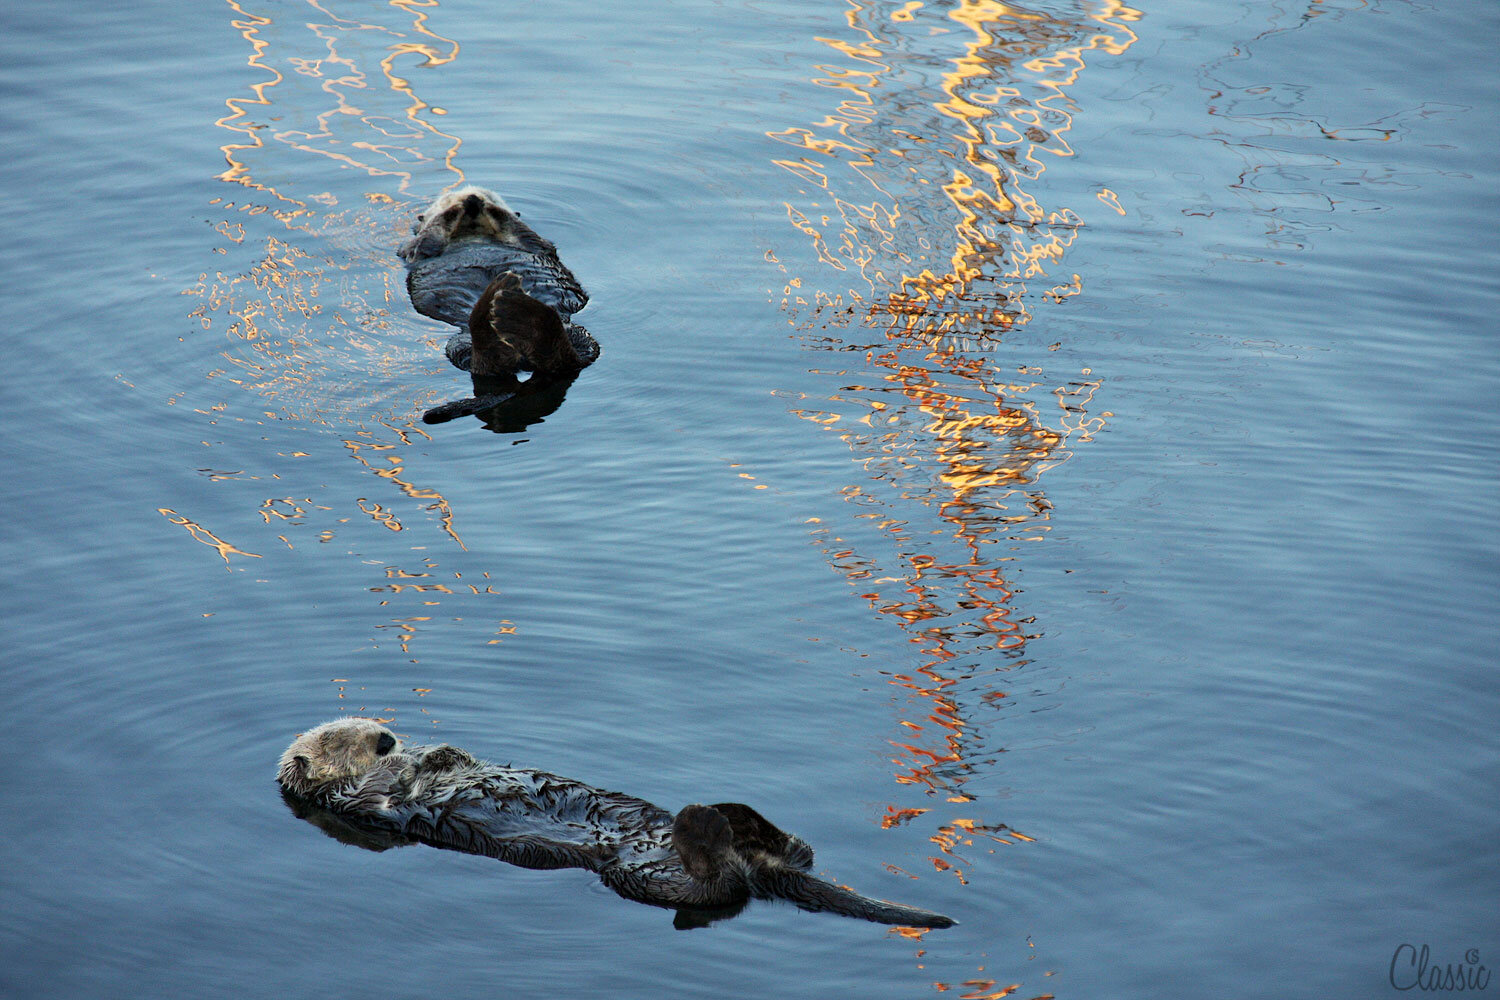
469,212
343,748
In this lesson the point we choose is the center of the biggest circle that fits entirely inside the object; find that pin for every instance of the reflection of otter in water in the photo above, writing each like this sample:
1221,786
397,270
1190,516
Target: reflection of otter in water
358,782
473,263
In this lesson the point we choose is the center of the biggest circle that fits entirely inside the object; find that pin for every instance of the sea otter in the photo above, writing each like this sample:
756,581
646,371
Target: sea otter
703,858
473,263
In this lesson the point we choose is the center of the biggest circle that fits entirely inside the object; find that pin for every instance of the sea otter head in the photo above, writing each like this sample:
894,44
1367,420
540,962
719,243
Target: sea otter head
466,213
335,750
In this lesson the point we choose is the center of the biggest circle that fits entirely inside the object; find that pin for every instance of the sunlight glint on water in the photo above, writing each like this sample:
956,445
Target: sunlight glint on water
1043,456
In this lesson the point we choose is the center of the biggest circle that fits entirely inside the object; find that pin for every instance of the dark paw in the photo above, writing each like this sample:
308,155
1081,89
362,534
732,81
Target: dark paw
704,840
444,758
755,836
511,331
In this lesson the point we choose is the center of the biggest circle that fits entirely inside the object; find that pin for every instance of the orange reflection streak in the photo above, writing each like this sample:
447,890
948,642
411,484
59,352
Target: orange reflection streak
445,50
238,120
298,315
431,593
205,536
391,468
1007,95
313,318
378,144
917,181
971,457
301,315
986,989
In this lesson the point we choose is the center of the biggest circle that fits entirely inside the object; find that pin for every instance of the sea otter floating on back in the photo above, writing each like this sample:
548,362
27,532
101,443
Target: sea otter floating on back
473,263
704,857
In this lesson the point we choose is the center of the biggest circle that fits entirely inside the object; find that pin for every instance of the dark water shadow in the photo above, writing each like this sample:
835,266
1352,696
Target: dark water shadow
506,405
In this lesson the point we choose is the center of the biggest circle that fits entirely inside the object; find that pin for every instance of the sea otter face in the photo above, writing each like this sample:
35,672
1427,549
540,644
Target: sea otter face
467,213
335,750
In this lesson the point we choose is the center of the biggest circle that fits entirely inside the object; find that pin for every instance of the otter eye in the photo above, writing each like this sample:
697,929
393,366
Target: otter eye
385,744
421,218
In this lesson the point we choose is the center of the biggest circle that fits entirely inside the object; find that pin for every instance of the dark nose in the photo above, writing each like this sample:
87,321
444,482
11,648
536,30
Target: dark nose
473,204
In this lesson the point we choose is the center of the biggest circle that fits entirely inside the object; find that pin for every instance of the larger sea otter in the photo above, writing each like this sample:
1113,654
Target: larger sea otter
473,263
703,857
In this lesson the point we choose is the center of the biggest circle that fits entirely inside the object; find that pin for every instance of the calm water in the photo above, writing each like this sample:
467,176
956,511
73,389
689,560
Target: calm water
1045,456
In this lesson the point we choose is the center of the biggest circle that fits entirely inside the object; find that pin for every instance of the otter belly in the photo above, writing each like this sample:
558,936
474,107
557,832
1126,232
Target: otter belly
446,287
531,818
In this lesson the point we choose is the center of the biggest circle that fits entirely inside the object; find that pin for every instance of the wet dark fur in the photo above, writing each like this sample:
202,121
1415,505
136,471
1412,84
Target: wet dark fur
703,858
473,263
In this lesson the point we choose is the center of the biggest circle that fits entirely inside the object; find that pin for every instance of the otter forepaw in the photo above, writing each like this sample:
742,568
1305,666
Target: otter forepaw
444,758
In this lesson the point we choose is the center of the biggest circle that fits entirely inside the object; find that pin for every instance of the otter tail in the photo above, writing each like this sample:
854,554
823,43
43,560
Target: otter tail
812,893
464,407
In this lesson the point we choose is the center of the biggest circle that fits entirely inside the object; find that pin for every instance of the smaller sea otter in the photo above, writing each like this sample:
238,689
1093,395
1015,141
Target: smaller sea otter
460,248
382,793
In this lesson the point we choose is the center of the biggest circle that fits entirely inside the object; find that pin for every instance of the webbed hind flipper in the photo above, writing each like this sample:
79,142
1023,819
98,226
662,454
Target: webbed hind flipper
493,329
756,837
778,864
511,331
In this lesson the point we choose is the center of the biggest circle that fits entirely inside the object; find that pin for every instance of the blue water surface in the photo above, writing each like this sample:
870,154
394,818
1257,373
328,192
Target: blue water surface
1044,456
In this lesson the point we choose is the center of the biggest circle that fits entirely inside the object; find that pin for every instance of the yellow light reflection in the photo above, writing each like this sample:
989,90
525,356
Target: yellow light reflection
306,325
922,180
311,316
379,144
202,534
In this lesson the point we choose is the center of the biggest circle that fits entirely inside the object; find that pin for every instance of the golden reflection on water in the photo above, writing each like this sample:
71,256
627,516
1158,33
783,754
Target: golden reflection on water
310,307
392,468
366,138
205,536
923,182
999,111
311,311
